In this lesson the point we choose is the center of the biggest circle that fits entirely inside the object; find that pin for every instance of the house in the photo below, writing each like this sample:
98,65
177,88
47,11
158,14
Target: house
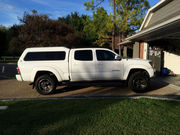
158,38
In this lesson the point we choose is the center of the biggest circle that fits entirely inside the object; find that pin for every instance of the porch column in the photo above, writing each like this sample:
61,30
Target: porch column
146,46
136,50
125,52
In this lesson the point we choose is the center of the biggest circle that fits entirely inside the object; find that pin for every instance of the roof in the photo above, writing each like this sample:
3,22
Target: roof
46,48
161,20
61,48
148,16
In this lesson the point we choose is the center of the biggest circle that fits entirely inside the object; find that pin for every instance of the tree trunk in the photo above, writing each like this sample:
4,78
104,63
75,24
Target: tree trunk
120,40
114,27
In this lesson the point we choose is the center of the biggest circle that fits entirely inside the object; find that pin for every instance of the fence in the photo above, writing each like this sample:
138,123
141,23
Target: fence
7,59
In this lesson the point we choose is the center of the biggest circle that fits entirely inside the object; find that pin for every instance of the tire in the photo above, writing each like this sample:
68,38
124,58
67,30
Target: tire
45,84
138,82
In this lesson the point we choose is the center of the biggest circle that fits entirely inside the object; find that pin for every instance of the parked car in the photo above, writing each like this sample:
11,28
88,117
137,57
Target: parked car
47,67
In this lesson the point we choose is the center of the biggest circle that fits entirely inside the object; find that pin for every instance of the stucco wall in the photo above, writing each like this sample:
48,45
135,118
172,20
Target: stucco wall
172,62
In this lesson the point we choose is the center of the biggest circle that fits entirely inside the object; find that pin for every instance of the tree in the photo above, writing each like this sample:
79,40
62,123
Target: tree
90,4
99,27
4,34
75,20
15,45
39,30
129,14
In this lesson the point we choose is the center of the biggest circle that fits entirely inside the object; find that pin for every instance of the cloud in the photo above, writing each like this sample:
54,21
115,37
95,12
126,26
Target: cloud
42,2
56,4
9,14
10,7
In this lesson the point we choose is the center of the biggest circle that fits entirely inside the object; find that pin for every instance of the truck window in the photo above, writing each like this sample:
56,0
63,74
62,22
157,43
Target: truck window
44,56
83,55
103,55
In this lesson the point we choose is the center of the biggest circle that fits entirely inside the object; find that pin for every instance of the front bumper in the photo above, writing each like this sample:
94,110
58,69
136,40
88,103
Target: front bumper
151,72
19,78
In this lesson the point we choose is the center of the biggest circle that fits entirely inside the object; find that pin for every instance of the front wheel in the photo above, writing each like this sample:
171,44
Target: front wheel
138,82
45,84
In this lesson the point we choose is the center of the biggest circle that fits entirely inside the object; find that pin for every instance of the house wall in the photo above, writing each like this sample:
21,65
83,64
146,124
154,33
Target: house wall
172,62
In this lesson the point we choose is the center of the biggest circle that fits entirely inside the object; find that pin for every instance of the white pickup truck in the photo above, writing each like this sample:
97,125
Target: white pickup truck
47,67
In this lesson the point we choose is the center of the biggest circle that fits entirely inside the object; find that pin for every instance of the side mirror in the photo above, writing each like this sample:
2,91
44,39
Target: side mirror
117,57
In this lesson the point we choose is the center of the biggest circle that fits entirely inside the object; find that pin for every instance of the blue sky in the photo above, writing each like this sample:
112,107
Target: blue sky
10,10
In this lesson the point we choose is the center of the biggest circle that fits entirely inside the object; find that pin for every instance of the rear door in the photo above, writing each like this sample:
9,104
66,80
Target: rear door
82,65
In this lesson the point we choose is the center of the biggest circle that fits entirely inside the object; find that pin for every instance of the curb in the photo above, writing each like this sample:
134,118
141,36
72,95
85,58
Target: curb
157,97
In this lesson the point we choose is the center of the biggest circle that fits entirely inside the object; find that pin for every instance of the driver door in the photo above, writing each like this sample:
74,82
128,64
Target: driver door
107,67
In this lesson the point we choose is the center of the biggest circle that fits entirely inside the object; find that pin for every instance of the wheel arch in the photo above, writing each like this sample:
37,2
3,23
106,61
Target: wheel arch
41,71
133,70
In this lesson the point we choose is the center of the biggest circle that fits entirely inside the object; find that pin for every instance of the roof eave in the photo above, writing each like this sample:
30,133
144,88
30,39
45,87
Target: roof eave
126,42
155,7
163,24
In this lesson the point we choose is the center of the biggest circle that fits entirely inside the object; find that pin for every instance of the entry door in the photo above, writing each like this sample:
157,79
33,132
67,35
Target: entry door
83,66
107,67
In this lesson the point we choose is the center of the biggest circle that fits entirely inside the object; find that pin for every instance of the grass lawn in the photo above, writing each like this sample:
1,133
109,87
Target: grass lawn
90,116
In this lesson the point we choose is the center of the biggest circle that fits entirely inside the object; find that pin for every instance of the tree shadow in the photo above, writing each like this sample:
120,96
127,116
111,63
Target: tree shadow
106,88
155,84
52,117
82,85
64,89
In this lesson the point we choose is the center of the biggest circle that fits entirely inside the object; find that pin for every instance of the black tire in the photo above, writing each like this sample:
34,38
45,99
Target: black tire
138,82
45,84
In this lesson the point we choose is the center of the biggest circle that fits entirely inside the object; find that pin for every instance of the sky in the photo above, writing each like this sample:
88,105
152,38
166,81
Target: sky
11,10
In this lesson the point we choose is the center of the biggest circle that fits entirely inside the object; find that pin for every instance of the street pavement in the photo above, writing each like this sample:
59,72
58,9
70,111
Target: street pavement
7,71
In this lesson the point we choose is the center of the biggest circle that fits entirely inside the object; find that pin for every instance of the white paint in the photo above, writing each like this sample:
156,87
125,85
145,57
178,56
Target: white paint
172,62
145,53
148,20
3,107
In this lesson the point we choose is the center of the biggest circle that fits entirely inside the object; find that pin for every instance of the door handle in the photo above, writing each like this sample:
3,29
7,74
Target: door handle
115,70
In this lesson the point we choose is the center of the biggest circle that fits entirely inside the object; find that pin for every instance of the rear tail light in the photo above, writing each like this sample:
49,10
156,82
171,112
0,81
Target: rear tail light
18,70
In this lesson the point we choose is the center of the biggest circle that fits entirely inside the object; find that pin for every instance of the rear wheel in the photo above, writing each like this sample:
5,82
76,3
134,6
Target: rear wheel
45,84
138,82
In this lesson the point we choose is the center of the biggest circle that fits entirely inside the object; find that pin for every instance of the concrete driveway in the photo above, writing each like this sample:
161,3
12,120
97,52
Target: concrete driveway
13,89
